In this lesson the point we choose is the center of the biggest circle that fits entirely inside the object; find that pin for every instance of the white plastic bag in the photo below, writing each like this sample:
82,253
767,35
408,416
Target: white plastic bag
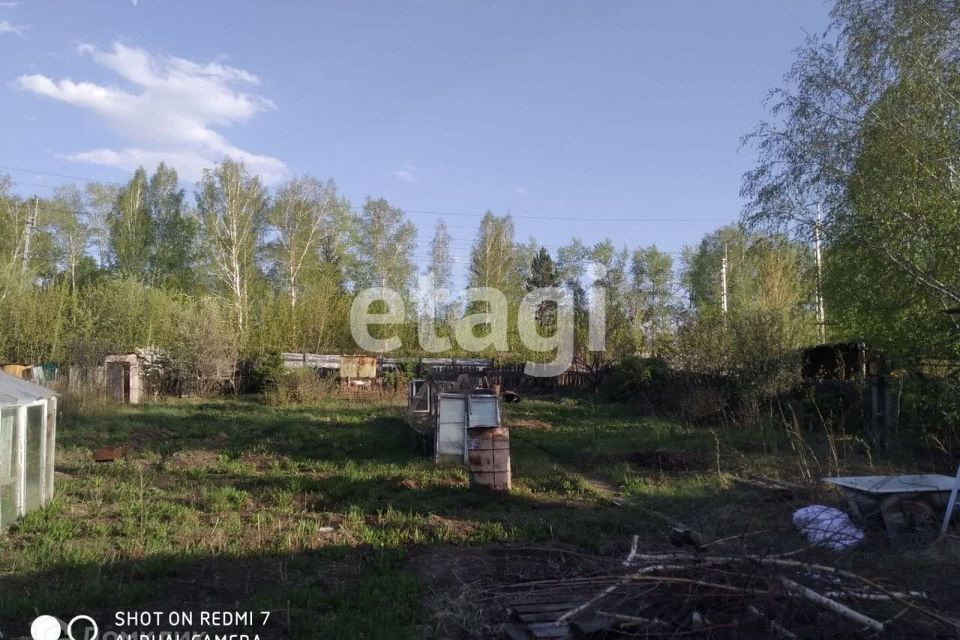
827,526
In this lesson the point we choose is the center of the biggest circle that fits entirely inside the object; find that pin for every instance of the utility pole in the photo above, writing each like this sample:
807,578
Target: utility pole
723,282
821,317
28,234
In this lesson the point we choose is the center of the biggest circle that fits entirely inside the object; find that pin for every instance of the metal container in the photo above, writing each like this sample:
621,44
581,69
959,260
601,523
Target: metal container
488,453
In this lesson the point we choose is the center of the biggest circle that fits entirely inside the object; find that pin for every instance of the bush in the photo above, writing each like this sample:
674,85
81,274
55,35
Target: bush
204,349
637,379
397,380
930,408
300,386
267,371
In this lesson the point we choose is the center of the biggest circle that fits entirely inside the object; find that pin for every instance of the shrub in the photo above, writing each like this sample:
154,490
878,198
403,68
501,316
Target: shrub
637,379
300,386
204,350
267,371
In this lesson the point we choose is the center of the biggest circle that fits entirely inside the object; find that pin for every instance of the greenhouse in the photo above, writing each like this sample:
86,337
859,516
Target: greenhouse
28,428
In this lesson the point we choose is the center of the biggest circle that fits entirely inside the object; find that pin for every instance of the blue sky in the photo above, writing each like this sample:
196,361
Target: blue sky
630,111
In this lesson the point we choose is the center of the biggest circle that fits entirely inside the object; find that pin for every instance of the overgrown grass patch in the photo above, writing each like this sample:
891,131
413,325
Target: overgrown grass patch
312,512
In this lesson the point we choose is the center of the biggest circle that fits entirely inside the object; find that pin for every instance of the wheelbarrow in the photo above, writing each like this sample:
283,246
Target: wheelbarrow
909,504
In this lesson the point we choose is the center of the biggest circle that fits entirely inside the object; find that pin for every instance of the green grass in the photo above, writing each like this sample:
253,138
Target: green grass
232,488
315,513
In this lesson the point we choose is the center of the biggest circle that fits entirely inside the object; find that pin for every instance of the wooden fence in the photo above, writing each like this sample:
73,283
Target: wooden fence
512,377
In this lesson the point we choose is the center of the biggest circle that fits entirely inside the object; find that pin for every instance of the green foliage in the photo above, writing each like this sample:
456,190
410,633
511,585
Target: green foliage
204,348
441,268
769,318
866,131
396,381
267,370
232,205
174,253
243,276
384,243
636,379
930,410
493,259
652,302
543,271
34,323
305,214
300,386
130,228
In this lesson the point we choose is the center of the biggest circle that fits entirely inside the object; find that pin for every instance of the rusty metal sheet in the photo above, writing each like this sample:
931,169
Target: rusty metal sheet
358,367
366,367
348,366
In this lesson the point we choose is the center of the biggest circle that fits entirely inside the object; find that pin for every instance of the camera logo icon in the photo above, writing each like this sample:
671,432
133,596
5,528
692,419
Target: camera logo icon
48,627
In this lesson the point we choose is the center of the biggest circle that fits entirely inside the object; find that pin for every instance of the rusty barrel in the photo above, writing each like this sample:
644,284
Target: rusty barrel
488,453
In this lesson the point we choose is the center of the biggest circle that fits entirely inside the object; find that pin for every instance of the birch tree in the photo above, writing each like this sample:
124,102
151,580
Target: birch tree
13,222
173,239
130,228
232,206
492,258
384,247
101,198
303,218
440,271
652,298
866,131
69,229
12,227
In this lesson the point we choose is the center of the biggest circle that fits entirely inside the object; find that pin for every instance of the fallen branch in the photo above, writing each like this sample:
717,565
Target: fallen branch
832,605
774,625
633,551
876,597
654,622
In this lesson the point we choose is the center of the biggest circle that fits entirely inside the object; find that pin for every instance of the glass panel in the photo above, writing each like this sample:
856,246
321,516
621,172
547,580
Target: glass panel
34,475
483,412
420,392
450,426
8,467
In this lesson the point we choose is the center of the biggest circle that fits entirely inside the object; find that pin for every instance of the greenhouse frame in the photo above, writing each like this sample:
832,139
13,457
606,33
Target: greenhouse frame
28,432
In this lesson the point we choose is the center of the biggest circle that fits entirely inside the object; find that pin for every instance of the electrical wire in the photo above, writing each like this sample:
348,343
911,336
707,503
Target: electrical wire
459,214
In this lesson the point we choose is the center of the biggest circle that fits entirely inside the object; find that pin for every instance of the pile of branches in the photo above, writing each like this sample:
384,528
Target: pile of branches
699,594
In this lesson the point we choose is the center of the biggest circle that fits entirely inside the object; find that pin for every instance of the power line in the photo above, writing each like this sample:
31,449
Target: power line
423,242
562,218
59,175
458,214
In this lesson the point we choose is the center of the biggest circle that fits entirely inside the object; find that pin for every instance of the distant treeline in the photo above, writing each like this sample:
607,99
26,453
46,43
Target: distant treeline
862,148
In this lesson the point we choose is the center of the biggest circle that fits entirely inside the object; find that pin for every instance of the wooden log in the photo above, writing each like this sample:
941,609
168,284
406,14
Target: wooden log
831,605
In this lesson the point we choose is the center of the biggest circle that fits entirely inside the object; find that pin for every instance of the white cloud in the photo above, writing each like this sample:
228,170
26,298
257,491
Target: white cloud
171,113
405,173
9,5
521,190
7,27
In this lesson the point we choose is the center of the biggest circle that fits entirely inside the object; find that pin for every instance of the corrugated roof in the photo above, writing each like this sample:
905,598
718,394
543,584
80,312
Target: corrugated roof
14,391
